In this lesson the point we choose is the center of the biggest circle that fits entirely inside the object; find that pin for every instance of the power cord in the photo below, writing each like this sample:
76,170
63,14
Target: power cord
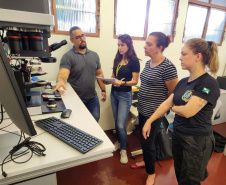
34,147
1,114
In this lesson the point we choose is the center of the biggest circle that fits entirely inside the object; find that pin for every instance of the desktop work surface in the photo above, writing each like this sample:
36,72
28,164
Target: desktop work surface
59,156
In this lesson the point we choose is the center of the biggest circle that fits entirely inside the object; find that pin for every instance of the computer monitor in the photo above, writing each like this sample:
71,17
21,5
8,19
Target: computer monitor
11,97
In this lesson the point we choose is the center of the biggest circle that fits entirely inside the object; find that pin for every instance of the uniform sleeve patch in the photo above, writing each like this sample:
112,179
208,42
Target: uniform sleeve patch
206,90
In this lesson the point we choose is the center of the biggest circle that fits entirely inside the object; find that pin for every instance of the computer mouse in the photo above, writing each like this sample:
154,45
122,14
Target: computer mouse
66,113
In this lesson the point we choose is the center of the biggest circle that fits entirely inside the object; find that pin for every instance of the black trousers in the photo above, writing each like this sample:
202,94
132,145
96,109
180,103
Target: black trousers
191,155
148,145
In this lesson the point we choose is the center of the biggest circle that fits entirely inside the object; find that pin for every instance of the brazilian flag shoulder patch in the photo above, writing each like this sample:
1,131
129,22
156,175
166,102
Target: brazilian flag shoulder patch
206,90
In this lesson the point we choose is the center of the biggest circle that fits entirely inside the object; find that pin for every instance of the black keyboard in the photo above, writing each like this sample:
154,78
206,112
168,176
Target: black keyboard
71,135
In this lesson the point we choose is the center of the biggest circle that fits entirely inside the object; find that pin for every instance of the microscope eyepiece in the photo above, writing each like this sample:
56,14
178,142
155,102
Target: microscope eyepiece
56,45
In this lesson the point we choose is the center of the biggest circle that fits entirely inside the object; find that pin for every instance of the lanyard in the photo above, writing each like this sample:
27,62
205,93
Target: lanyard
118,67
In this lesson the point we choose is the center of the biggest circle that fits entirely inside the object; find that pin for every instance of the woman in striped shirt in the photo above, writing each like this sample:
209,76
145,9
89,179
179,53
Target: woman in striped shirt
158,80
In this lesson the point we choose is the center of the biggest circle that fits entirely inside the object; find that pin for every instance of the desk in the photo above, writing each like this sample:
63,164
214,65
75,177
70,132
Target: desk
59,156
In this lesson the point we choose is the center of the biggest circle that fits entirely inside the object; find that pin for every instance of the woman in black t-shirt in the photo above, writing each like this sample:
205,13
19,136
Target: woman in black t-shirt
126,69
193,101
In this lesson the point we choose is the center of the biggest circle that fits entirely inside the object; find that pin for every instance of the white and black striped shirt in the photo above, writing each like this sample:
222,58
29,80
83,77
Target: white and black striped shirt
153,90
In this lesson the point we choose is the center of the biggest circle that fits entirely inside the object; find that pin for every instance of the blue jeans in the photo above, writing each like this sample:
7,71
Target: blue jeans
93,106
121,103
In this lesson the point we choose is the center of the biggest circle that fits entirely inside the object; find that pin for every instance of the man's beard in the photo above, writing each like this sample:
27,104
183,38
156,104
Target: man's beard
82,46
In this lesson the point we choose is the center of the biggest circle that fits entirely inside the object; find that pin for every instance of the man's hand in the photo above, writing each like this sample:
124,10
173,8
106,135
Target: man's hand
104,96
61,80
58,87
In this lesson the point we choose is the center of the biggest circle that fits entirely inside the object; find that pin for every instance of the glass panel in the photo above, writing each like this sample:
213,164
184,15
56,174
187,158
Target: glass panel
205,1
195,21
51,27
216,25
131,17
159,21
219,2
49,1
80,13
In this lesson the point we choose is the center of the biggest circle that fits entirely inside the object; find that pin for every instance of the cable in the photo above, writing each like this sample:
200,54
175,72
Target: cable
1,114
5,127
35,148
18,155
10,132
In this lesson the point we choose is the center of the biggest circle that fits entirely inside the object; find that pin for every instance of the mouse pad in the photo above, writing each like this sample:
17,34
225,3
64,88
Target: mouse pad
59,108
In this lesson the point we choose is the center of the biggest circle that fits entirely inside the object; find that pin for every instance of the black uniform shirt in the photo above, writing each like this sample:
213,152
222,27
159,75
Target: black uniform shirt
205,87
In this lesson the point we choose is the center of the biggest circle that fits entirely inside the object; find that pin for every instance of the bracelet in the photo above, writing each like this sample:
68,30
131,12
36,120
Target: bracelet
124,84
103,91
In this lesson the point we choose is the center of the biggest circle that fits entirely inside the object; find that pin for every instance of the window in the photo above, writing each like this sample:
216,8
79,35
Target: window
145,16
82,13
206,19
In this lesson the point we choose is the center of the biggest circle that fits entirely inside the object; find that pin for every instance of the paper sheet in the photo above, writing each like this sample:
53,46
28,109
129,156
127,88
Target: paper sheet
109,80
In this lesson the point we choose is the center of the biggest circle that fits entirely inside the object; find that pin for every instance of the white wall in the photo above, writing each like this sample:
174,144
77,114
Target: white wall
106,47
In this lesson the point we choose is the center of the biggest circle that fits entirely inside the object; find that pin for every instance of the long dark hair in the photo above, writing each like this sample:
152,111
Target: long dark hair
130,54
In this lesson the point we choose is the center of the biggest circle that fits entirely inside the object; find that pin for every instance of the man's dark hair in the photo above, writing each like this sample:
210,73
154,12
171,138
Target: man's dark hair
72,29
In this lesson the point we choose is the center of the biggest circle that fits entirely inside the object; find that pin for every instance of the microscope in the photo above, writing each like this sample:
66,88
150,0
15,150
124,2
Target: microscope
24,31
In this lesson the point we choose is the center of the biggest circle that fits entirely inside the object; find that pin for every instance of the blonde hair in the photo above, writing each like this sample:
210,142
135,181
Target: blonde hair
209,52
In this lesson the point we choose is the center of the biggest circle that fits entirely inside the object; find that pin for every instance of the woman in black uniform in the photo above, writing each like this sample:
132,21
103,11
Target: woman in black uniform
193,101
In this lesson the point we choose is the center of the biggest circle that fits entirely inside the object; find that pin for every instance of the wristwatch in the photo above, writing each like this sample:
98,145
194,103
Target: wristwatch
125,83
103,91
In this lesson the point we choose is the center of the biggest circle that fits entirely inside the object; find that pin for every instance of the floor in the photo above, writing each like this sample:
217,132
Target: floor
111,172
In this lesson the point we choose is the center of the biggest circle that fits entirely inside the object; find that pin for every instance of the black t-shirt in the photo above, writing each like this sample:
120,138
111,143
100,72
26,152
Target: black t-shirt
205,87
126,72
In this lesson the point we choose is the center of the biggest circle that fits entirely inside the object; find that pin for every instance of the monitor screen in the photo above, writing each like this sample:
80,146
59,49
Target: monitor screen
11,97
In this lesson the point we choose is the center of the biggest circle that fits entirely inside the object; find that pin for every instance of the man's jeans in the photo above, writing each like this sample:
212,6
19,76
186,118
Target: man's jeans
121,103
93,106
